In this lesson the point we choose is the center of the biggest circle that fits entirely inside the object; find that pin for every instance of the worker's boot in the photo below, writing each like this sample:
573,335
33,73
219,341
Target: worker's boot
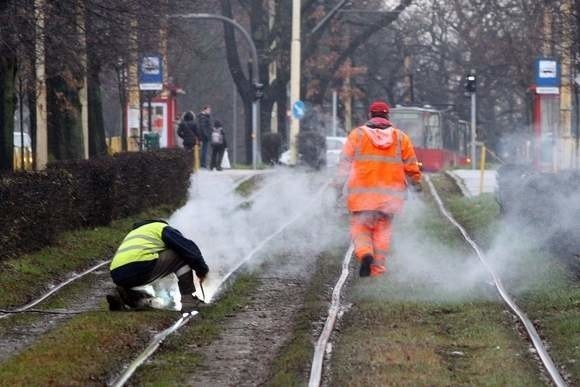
115,303
365,266
189,303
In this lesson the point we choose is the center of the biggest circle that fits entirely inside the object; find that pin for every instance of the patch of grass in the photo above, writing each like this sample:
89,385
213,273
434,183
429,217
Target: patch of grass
84,350
291,365
414,343
25,277
541,283
249,186
178,358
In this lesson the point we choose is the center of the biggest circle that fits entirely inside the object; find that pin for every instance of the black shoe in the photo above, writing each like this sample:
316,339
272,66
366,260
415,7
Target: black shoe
115,303
365,266
190,303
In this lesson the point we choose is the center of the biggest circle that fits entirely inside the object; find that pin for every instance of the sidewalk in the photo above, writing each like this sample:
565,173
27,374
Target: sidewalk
469,181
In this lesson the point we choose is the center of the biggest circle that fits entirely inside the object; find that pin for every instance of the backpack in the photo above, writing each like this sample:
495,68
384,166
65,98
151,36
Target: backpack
217,137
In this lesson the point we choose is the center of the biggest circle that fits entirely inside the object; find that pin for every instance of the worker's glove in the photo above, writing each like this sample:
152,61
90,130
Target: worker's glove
417,187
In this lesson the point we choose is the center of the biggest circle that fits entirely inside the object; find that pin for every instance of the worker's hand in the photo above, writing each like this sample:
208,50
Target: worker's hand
201,275
417,187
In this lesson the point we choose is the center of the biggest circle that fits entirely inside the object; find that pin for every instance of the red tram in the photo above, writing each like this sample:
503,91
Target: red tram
440,139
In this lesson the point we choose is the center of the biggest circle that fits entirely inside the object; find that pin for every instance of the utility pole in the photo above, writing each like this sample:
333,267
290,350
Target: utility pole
334,112
566,151
134,119
84,91
295,54
471,88
41,100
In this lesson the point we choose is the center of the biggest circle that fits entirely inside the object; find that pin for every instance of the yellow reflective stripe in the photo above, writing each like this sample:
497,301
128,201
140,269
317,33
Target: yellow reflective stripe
147,238
379,191
145,250
379,159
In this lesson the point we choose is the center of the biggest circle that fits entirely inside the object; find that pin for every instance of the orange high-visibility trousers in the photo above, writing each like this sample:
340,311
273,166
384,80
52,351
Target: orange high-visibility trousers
371,235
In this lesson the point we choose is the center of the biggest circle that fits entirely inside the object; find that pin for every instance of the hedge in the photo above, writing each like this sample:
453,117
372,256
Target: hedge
36,206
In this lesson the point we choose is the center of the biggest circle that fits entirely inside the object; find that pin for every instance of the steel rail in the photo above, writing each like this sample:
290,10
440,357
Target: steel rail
154,344
75,277
321,344
530,328
152,347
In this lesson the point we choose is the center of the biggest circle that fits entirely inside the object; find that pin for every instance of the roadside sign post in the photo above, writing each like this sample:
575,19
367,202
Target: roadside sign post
150,82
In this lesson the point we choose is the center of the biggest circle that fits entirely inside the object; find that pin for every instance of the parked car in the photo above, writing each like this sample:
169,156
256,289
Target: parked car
333,149
17,157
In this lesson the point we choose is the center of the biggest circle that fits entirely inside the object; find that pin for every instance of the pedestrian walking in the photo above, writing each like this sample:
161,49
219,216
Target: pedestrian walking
153,250
218,146
377,164
205,129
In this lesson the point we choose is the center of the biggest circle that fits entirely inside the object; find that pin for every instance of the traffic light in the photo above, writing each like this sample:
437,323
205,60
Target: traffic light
258,90
470,83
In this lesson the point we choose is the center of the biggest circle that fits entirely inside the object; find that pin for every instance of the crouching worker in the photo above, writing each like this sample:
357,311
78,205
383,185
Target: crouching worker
153,250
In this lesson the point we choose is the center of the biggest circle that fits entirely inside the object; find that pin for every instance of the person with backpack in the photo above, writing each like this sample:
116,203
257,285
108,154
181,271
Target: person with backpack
218,146
204,121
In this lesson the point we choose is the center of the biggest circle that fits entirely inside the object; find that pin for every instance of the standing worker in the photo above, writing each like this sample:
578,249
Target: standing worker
377,163
205,129
153,250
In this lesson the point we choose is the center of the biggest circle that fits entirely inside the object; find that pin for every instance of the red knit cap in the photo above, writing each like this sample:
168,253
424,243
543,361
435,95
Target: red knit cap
379,107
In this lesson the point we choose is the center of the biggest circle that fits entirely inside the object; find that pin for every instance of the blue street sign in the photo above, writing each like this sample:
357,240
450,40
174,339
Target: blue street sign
151,72
298,110
547,76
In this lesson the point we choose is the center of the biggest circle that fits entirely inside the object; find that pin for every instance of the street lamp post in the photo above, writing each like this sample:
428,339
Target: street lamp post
255,76
295,56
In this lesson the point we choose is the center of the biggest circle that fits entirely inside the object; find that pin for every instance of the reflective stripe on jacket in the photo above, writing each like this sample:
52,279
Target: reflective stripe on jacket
140,245
377,177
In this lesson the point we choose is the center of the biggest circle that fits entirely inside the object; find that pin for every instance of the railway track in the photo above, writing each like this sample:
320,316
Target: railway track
322,343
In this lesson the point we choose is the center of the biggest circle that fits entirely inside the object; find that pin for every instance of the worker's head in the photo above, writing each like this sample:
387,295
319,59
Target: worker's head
379,109
217,124
147,221
206,109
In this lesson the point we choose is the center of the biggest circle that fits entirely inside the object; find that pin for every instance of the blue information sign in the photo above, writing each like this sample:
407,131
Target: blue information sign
151,72
547,76
298,110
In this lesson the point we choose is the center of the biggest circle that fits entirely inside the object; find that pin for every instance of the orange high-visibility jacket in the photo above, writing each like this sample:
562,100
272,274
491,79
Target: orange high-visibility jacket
377,176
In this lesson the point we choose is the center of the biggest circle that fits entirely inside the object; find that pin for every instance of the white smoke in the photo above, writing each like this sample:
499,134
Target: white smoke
227,233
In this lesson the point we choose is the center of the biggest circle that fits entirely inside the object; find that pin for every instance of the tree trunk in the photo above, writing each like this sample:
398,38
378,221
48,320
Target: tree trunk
65,132
7,105
248,130
97,137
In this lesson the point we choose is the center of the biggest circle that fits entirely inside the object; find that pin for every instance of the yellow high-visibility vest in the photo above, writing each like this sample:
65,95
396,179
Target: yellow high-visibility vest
140,245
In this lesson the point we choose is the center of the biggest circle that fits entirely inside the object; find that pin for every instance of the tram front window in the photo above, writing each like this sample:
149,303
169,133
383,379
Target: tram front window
410,123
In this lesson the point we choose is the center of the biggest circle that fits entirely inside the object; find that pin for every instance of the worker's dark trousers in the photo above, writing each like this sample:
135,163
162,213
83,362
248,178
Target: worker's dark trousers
167,263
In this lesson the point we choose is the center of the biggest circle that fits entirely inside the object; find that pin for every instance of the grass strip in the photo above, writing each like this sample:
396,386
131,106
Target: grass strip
544,287
179,356
85,349
25,277
427,322
291,367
